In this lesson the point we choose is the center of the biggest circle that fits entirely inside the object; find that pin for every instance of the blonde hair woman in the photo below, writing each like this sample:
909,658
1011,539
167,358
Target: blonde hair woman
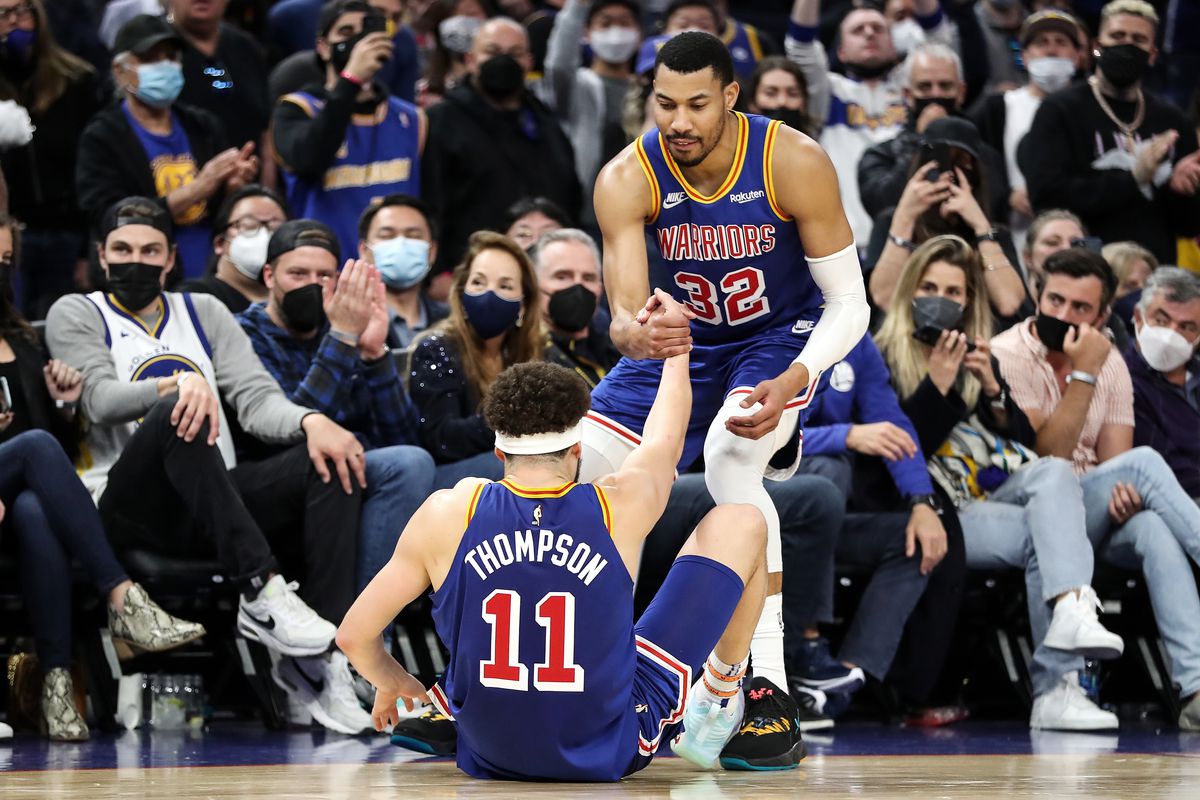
1011,504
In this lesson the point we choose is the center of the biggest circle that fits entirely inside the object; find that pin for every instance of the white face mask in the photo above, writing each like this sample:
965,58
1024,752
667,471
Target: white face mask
907,35
615,44
1163,348
1051,73
248,252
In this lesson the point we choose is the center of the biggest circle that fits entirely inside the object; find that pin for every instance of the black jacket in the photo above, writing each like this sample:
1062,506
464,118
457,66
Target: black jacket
478,161
113,164
43,415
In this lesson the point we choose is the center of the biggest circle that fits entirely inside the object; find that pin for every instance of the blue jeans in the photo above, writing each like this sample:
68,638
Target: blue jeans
484,465
399,479
1157,540
1035,521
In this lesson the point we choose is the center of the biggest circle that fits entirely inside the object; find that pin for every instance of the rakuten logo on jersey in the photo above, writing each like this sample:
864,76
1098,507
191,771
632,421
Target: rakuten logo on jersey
747,197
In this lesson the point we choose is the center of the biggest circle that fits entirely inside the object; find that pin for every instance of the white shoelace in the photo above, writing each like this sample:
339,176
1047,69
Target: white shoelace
292,606
1089,601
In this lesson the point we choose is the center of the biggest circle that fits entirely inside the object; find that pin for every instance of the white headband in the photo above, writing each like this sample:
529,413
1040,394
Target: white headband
538,444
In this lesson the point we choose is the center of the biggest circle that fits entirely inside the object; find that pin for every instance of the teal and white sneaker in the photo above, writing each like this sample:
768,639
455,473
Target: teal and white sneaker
708,725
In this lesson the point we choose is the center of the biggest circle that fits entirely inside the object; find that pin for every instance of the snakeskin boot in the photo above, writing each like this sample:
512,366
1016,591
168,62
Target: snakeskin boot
144,627
61,719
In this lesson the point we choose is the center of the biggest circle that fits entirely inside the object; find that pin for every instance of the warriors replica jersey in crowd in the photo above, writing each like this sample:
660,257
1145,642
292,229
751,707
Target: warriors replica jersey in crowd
537,612
174,343
735,257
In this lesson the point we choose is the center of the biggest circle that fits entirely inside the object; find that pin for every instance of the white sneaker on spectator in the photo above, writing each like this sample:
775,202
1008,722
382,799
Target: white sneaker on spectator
1067,708
1076,628
283,622
325,687
5,731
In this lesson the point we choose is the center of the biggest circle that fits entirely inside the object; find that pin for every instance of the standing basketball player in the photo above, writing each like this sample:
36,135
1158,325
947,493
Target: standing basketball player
533,596
729,199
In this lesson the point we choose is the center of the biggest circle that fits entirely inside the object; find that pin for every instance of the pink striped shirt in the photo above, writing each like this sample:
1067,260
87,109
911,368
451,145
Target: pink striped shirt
1034,387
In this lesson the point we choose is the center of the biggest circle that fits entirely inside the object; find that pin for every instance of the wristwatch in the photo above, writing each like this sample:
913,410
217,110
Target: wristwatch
999,400
930,500
1082,377
900,241
987,236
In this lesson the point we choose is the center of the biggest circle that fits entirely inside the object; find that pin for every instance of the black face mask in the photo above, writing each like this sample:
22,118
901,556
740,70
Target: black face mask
792,117
501,76
863,72
919,104
339,52
1052,331
932,315
1123,308
1124,64
134,284
571,309
303,309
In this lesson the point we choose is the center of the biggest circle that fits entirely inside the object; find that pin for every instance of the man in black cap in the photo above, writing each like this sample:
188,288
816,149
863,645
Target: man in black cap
159,461
149,145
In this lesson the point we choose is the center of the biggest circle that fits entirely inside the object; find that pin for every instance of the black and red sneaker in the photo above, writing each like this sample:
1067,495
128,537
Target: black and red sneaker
769,738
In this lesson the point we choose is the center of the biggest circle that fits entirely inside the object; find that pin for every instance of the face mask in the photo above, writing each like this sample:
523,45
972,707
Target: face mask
160,83
6,268
1123,308
1124,64
907,35
17,46
1163,348
932,315
864,72
303,309
1052,331
339,52
919,104
501,76
458,33
792,117
490,314
571,309
248,252
135,285
615,44
1050,73
402,263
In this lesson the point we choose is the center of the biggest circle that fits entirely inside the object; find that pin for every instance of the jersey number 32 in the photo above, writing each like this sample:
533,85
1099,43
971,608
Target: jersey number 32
743,296
557,673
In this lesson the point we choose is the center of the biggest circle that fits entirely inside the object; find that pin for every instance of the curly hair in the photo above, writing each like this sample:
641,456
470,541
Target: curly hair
536,397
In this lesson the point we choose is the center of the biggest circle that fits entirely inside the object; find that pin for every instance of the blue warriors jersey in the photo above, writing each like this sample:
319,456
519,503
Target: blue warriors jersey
744,46
537,612
380,155
734,256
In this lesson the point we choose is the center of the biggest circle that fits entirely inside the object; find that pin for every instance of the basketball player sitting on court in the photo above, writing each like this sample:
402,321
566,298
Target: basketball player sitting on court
533,596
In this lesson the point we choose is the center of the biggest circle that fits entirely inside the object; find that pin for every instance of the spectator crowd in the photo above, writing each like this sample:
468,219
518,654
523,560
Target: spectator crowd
260,263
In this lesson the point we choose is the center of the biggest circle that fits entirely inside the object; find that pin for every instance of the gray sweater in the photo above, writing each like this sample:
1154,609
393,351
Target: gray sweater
75,334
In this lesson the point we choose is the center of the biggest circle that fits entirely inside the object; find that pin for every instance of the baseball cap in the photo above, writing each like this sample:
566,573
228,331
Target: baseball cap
956,132
1051,19
334,9
137,211
143,32
302,233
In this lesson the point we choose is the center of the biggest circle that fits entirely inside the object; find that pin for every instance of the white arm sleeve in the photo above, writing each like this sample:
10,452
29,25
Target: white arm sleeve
845,316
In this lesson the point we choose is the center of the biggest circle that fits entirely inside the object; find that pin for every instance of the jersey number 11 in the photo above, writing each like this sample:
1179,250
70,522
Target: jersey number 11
556,613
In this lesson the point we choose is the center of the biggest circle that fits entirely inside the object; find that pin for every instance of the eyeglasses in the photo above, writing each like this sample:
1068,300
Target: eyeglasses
219,76
252,225
21,12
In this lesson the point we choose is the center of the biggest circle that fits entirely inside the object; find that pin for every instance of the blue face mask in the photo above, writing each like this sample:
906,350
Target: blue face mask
17,46
160,83
490,314
402,263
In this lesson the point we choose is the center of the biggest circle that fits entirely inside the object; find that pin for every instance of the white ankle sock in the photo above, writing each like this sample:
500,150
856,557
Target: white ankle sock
722,681
766,647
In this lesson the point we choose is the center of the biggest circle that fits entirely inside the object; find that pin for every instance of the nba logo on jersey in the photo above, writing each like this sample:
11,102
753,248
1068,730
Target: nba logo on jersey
537,515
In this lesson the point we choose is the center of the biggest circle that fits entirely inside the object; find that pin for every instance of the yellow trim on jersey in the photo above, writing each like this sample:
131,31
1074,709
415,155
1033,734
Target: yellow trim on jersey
729,33
755,44
735,169
303,102
604,508
648,171
474,501
158,323
145,365
537,492
768,177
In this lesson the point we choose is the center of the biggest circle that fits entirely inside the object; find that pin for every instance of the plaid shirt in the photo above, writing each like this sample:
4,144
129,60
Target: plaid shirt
327,375
1168,417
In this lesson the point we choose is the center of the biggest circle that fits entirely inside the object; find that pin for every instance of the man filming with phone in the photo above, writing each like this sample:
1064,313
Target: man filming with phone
347,141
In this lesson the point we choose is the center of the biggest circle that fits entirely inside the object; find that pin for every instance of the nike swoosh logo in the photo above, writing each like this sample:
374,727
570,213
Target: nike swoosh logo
268,623
316,686
672,202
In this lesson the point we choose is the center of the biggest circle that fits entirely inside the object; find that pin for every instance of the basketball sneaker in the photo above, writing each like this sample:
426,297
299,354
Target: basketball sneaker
1075,627
326,689
432,733
817,669
279,619
769,738
708,725
1067,708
